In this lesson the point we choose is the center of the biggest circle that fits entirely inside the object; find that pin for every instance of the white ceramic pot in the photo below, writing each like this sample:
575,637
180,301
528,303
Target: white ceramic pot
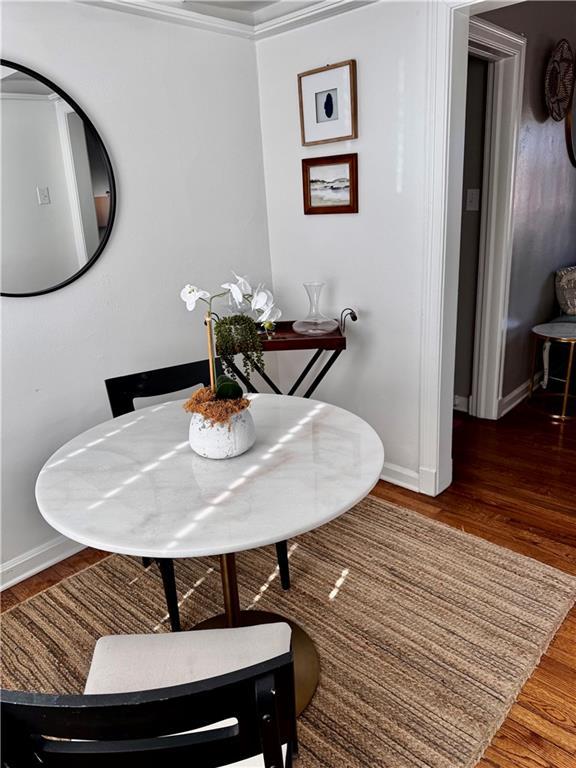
222,441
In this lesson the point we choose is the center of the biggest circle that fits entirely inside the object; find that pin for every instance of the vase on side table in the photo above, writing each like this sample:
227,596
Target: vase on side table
315,323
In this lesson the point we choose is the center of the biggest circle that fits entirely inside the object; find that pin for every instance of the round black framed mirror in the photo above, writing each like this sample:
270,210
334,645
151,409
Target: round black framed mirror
58,187
570,128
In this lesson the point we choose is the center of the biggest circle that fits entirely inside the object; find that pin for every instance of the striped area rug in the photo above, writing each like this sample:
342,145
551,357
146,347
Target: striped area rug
426,634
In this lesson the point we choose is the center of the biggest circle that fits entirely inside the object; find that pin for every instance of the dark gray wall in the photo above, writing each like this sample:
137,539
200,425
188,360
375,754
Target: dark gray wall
470,232
545,200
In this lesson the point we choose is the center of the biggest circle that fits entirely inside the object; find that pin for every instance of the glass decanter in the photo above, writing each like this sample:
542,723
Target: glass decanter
315,323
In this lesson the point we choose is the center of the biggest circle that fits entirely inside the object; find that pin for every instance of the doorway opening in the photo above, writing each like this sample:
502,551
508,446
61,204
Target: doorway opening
471,230
493,108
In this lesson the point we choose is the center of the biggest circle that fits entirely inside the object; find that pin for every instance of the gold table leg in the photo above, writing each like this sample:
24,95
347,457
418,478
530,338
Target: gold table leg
306,659
568,380
230,590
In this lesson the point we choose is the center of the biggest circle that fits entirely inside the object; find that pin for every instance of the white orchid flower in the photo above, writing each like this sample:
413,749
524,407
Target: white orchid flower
236,292
261,299
191,294
243,284
270,315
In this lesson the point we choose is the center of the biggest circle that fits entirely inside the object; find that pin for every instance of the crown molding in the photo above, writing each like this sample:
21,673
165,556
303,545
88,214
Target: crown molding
299,18
305,16
156,10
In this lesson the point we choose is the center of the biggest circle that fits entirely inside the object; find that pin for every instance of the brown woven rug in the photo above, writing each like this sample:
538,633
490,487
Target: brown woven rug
425,634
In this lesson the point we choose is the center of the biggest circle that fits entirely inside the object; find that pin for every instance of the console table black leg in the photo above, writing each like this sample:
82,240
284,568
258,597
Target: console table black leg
335,355
267,379
305,372
167,571
282,555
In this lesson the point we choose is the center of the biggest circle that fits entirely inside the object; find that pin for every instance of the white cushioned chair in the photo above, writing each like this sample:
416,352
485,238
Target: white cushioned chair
211,698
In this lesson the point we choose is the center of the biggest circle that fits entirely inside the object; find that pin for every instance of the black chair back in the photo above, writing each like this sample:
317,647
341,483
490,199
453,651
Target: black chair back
151,728
161,381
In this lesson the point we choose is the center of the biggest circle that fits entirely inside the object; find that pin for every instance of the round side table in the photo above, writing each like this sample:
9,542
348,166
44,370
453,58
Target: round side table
563,333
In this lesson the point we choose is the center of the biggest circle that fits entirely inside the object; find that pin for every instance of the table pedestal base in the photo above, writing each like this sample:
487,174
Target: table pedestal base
306,659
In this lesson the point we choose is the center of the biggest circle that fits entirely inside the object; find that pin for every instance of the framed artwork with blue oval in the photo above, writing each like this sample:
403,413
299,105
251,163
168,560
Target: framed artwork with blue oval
328,103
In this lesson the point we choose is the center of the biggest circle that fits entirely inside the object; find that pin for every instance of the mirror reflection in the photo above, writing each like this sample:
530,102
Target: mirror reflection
57,186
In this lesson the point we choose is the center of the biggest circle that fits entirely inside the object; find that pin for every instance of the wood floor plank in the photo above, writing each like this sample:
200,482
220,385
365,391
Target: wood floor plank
528,740
53,575
501,755
551,705
557,676
564,653
544,727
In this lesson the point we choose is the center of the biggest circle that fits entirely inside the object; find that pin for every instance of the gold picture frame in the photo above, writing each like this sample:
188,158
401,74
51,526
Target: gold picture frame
328,103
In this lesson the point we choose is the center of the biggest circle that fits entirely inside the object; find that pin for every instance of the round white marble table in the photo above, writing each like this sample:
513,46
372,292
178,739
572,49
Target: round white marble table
132,485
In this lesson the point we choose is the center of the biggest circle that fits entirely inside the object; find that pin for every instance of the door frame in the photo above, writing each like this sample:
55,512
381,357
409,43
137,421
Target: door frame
63,109
505,53
446,66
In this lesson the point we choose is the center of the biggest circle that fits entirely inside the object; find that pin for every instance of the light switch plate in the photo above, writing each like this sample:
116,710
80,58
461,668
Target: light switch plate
43,194
472,199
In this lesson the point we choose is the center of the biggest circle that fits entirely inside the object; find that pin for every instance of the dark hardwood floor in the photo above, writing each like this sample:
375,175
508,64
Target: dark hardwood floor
515,485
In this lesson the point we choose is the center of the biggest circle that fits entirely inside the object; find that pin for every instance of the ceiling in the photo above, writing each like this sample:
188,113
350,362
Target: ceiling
14,81
244,18
246,5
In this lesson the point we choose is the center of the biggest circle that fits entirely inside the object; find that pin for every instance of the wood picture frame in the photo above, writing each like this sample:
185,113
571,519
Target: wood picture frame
334,187
328,103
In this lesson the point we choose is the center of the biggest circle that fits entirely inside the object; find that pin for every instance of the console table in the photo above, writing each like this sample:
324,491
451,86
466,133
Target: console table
285,339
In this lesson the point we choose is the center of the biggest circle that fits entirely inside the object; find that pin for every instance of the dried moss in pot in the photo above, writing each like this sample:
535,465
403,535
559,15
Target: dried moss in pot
219,406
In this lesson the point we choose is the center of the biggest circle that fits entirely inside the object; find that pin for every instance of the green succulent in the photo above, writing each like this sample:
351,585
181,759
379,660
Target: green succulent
228,389
221,379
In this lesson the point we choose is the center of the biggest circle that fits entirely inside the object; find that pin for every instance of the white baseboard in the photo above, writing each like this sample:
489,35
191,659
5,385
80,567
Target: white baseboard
394,473
515,397
428,481
37,559
461,403
425,481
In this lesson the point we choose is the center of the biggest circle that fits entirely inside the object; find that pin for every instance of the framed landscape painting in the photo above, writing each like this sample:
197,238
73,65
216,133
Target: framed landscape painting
330,184
328,109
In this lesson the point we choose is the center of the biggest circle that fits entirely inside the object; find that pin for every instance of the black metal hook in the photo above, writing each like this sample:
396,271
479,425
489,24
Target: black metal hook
344,315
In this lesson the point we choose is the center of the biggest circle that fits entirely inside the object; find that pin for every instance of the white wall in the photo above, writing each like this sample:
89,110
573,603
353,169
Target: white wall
37,244
178,111
372,260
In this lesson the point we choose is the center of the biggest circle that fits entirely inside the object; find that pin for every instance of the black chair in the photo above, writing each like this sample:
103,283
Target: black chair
162,381
155,727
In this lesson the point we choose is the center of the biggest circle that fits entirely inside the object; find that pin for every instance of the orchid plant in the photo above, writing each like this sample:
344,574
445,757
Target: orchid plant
241,294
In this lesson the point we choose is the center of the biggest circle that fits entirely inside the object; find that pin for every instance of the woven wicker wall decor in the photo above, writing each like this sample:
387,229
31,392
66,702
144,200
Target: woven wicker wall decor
559,80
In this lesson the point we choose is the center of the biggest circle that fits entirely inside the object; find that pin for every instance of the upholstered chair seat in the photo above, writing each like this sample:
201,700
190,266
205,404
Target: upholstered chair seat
124,663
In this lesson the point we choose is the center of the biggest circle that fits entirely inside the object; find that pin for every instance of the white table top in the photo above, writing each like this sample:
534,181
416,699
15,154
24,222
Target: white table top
133,485
556,330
